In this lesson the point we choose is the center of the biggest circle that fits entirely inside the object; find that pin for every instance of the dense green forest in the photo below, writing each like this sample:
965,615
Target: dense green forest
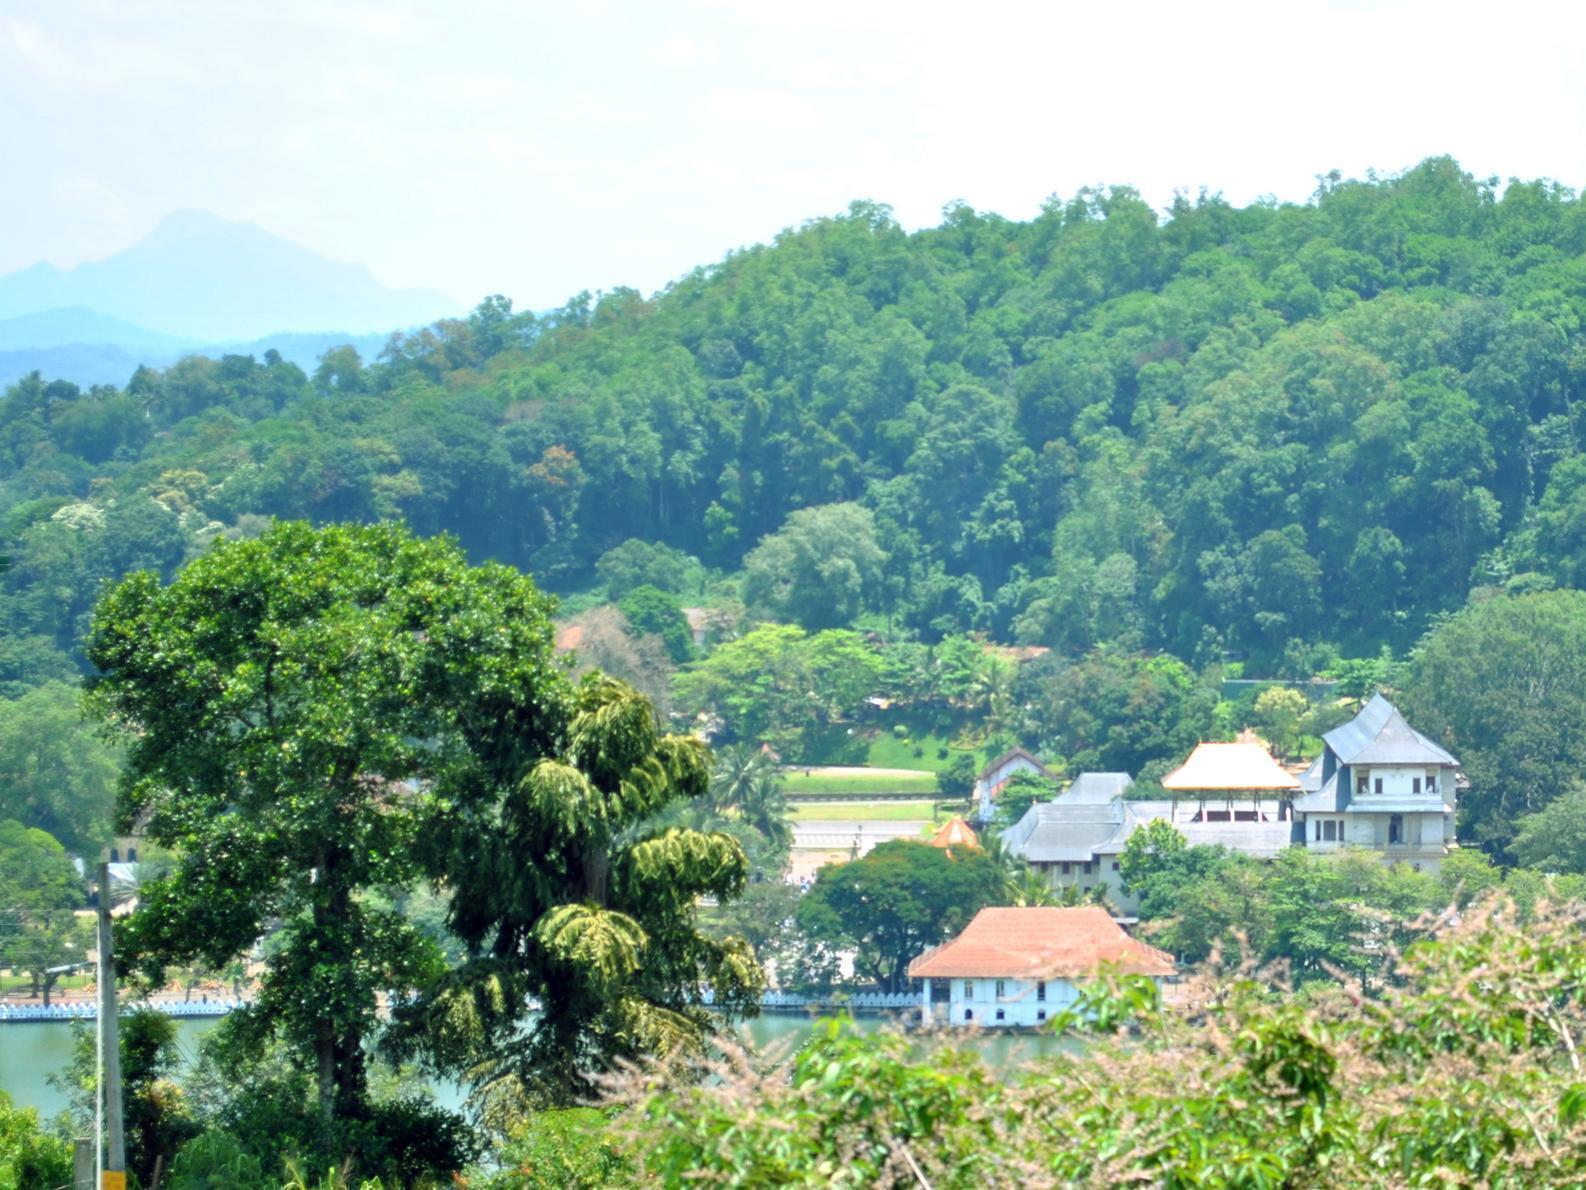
1333,438
1281,429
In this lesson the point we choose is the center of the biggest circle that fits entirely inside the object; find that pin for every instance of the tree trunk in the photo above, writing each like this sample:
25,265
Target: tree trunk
324,1035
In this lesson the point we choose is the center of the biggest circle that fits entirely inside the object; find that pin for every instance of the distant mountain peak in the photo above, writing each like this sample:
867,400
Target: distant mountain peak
190,223
201,277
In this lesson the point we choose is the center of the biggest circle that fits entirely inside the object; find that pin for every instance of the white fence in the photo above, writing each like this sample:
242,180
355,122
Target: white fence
88,1010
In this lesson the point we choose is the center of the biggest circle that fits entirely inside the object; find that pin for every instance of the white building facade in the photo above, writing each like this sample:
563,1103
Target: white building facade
1019,967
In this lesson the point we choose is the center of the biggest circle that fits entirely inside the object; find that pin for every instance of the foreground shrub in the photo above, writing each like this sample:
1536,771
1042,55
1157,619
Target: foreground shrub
1463,1071
30,1159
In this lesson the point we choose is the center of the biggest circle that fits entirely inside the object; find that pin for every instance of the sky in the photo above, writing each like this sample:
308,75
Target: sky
536,150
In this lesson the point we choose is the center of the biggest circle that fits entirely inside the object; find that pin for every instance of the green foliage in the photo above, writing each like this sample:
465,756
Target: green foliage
572,890
895,901
1462,1071
214,1160
563,1149
1117,712
864,1111
636,563
1502,686
278,698
1554,838
1020,792
156,1116
1150,850
651,611
1279,711
957,781
820,570
59,775
30,1158
39,889
781,685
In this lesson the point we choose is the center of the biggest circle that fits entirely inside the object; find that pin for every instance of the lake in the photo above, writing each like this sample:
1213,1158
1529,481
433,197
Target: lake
30,1052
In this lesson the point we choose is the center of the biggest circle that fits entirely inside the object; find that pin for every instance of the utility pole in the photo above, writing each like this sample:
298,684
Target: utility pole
113,1176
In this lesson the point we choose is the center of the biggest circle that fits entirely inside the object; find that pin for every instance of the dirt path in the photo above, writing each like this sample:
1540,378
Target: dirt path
852,770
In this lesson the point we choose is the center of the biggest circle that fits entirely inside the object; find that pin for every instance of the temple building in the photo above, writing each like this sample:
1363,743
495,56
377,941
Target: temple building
1379,784
1016,967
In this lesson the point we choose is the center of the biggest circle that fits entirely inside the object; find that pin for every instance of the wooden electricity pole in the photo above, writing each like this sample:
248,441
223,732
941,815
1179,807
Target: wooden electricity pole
113,1175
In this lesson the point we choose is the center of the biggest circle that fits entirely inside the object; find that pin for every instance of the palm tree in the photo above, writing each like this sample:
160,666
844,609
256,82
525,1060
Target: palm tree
738,767
1030,889
764,807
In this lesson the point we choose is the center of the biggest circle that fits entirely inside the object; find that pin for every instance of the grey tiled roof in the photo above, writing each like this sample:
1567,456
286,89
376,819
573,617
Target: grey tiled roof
1096,787
1380,735
1318,801
1052,832
1311,778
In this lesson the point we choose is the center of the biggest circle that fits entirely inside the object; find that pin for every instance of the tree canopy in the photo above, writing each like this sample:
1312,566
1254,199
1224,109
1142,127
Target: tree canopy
292,705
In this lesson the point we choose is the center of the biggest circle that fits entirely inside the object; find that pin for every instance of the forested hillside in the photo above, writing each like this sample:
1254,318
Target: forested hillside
1295,431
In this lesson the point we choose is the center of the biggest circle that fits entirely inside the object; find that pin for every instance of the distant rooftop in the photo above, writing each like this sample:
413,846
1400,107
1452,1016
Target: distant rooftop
1096,787
955,833
1040,943
1235,768
1380,735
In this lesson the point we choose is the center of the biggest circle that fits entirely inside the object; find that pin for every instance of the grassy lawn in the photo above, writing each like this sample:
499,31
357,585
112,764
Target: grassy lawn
863,811
797,783
889,752
76,983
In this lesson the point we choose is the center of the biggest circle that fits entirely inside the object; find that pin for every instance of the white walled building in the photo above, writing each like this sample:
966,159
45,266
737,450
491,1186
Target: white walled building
1378,784
1017,967
991,779
1382,785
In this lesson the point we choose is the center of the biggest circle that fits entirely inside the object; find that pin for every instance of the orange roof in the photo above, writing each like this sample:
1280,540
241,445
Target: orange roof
1039,943
1233,767
955,833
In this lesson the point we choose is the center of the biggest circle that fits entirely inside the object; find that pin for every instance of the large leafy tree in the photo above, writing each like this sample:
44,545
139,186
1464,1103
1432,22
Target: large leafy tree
293,706
56,773
568,893
821,569
1502,685
897,900
39,889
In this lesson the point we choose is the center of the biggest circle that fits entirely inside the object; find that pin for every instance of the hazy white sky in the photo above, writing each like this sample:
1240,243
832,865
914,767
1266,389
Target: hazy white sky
537,149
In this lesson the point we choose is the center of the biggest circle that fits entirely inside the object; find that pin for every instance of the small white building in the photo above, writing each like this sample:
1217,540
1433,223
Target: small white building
1382,785
991,779
1017,967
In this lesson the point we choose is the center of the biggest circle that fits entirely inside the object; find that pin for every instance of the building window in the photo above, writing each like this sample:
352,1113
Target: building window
1040,989
969,989
1085,867
1114,865
1360,784
1065,867
132,855
1318,830
1377,785
1329,831
1001,989
969,1014
1415,785
1041,1016
1395,829
999,1014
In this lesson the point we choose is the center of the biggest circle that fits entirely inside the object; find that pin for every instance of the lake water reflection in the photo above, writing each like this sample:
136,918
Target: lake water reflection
29,1053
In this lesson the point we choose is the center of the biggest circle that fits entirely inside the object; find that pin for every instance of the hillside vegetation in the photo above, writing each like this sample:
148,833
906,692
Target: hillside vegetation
1284,433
